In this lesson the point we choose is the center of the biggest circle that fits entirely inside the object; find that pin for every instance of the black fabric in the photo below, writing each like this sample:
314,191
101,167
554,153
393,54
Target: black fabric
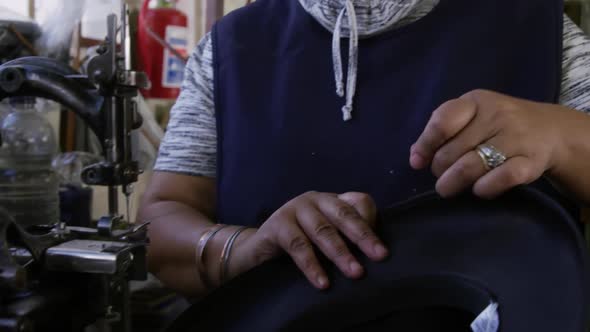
440,319
449,259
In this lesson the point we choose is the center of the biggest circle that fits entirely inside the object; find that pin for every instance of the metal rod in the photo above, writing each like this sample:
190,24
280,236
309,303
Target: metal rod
112,151
113,195
126,36
112,154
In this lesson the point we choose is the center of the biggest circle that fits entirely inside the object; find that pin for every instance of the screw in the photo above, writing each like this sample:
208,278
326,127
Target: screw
129,189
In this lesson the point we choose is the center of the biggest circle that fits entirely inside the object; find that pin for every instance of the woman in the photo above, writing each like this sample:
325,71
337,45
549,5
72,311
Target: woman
486,94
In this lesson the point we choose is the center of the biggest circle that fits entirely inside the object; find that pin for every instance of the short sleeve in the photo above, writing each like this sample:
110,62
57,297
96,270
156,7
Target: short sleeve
575,87
190,144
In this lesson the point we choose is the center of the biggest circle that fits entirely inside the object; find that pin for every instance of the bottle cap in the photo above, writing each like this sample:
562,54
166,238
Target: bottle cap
26,101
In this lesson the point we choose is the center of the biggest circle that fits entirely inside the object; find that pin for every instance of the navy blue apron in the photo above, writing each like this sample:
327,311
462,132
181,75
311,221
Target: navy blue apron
279,120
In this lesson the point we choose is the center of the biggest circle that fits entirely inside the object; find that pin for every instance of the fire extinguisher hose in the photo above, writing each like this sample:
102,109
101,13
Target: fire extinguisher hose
164,43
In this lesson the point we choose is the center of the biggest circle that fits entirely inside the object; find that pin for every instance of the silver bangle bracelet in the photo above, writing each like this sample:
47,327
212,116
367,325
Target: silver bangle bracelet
225,254
200,253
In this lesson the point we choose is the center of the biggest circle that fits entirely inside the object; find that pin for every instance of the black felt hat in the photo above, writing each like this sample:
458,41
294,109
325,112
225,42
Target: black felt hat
449,260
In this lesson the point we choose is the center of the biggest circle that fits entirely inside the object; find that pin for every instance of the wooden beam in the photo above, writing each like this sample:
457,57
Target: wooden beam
197,18
31,9
213,12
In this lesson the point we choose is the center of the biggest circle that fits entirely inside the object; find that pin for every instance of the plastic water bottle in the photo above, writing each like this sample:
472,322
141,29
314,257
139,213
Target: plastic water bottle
28,183
4,110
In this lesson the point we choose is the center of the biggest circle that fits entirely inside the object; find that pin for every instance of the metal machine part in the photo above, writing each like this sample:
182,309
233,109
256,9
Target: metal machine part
89,256
118,84
44,271
17,34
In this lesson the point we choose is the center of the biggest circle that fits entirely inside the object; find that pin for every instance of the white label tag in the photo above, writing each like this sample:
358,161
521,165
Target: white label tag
173,73
488,320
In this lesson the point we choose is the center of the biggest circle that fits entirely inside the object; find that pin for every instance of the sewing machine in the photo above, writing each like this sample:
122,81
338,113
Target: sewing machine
65,278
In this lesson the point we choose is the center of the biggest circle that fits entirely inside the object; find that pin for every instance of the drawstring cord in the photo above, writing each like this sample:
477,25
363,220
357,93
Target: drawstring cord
351,79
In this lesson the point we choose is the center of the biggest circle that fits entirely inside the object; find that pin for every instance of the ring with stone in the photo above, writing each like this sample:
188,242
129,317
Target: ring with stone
491,156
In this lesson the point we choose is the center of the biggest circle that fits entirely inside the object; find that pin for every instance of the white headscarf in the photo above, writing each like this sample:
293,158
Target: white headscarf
359,19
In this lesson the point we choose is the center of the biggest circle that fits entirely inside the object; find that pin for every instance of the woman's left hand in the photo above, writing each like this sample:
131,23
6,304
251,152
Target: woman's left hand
530,135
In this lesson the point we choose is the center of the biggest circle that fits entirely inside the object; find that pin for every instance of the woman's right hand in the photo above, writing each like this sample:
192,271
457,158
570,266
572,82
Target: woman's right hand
314,219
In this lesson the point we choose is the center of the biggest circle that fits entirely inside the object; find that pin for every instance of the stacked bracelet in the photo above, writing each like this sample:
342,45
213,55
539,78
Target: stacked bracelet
200,253
225,254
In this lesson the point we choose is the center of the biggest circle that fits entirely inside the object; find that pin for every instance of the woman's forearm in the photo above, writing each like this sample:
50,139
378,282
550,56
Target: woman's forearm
174,231
572,167
180,209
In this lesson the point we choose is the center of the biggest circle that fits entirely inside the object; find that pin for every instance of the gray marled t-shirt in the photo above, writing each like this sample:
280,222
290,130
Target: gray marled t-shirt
190,144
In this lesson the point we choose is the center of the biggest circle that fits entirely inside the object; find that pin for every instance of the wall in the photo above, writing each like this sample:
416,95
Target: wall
21,7
192,8
233,4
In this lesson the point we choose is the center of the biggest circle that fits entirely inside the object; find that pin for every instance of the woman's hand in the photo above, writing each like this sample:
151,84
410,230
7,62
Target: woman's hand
314,219
531,135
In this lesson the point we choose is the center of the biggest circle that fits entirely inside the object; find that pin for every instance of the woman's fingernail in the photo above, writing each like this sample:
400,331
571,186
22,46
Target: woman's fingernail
380,250
323,282
417,160
355,268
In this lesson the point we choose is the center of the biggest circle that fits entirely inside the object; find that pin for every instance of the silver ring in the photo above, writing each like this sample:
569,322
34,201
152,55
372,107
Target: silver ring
490,156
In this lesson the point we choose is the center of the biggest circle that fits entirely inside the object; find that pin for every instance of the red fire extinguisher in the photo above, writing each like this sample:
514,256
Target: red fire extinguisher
162,47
